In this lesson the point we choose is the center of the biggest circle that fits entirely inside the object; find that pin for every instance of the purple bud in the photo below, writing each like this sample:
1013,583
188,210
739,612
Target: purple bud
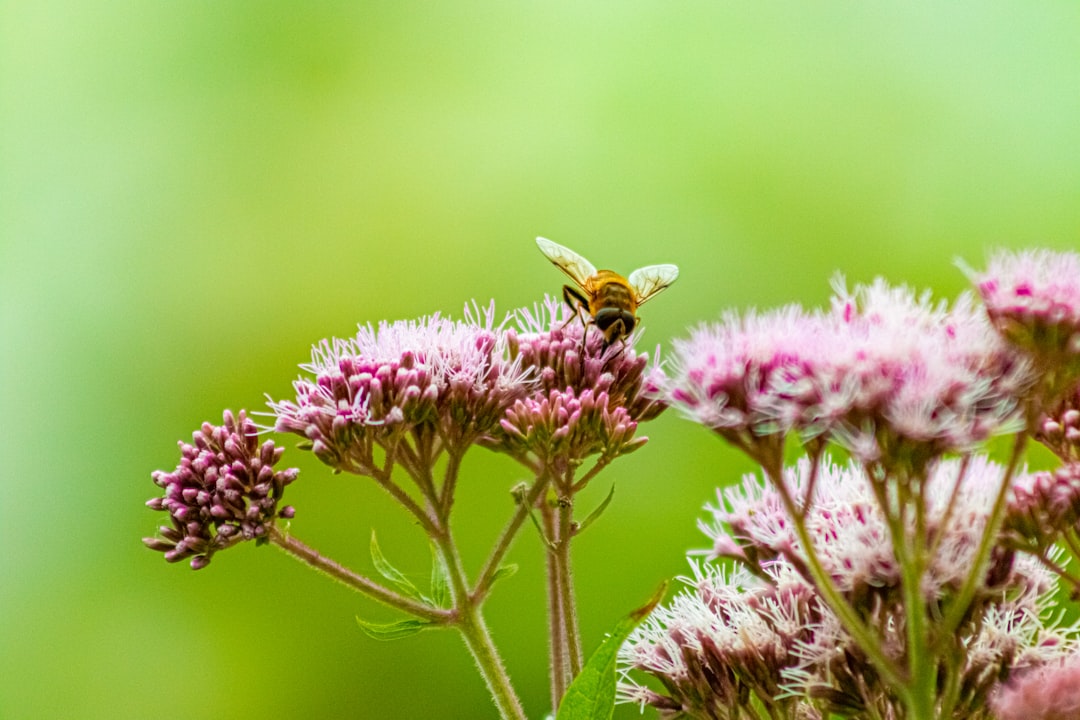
157,544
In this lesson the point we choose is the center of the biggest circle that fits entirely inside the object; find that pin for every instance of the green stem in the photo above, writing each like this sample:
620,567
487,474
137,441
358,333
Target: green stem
566,587
946,518
922,666
559,670
467,614
446,496
386,483
525,503
480,644
960,606
825,585
470,622
357,582
1072,542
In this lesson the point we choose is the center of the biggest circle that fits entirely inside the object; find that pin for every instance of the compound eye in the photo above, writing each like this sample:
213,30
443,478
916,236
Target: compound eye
606,317
615,323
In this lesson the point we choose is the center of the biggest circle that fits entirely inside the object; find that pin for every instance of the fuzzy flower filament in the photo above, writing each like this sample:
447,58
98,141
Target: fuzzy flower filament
888,375
1051,692
224,491
761,635
1033,299
442,382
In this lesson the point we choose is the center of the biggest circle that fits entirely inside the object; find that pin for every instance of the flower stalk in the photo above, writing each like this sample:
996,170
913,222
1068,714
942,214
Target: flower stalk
402,405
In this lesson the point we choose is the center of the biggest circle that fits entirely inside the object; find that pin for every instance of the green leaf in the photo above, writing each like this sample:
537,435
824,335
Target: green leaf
599,509
391,573
440,582
592,694
504,571
394,630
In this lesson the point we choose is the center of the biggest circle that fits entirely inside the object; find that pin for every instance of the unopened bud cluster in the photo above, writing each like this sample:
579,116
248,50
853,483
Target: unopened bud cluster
225,490
563,427
1042,505
561,352
588,396
1059,428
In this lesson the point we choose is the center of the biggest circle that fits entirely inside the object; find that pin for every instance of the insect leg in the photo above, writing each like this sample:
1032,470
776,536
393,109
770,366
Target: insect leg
576,301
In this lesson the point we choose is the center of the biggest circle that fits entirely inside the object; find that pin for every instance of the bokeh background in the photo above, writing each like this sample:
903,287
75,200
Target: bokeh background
193,192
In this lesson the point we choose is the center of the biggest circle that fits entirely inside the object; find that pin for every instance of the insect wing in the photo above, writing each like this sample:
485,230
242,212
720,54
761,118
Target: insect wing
648,281
578,268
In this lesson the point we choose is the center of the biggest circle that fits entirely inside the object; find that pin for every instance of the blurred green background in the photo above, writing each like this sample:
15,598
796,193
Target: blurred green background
193,192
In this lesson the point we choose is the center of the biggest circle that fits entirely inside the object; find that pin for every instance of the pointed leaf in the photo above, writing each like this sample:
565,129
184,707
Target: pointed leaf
592,694
440,582
504,571
391,573
394,630
599,509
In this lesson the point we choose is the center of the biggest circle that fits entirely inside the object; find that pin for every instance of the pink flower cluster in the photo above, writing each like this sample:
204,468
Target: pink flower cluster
589,397
883,370
562,352
761,632
1042,506
450,376
225,490
1051,692
562,428
723,641
1033,298
849,530
547,388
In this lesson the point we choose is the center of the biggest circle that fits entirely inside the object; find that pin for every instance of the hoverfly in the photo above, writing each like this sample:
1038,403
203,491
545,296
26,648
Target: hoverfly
610,299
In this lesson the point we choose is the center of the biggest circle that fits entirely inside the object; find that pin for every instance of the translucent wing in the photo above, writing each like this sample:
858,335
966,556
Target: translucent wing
578,268
648,281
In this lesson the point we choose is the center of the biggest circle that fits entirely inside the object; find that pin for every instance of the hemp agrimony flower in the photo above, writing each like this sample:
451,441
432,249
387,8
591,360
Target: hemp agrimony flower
849,531
224,491
402,404
434,376
589,395
1051,692
912,581
723,644
762,636
912,549
884,373
1033,299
